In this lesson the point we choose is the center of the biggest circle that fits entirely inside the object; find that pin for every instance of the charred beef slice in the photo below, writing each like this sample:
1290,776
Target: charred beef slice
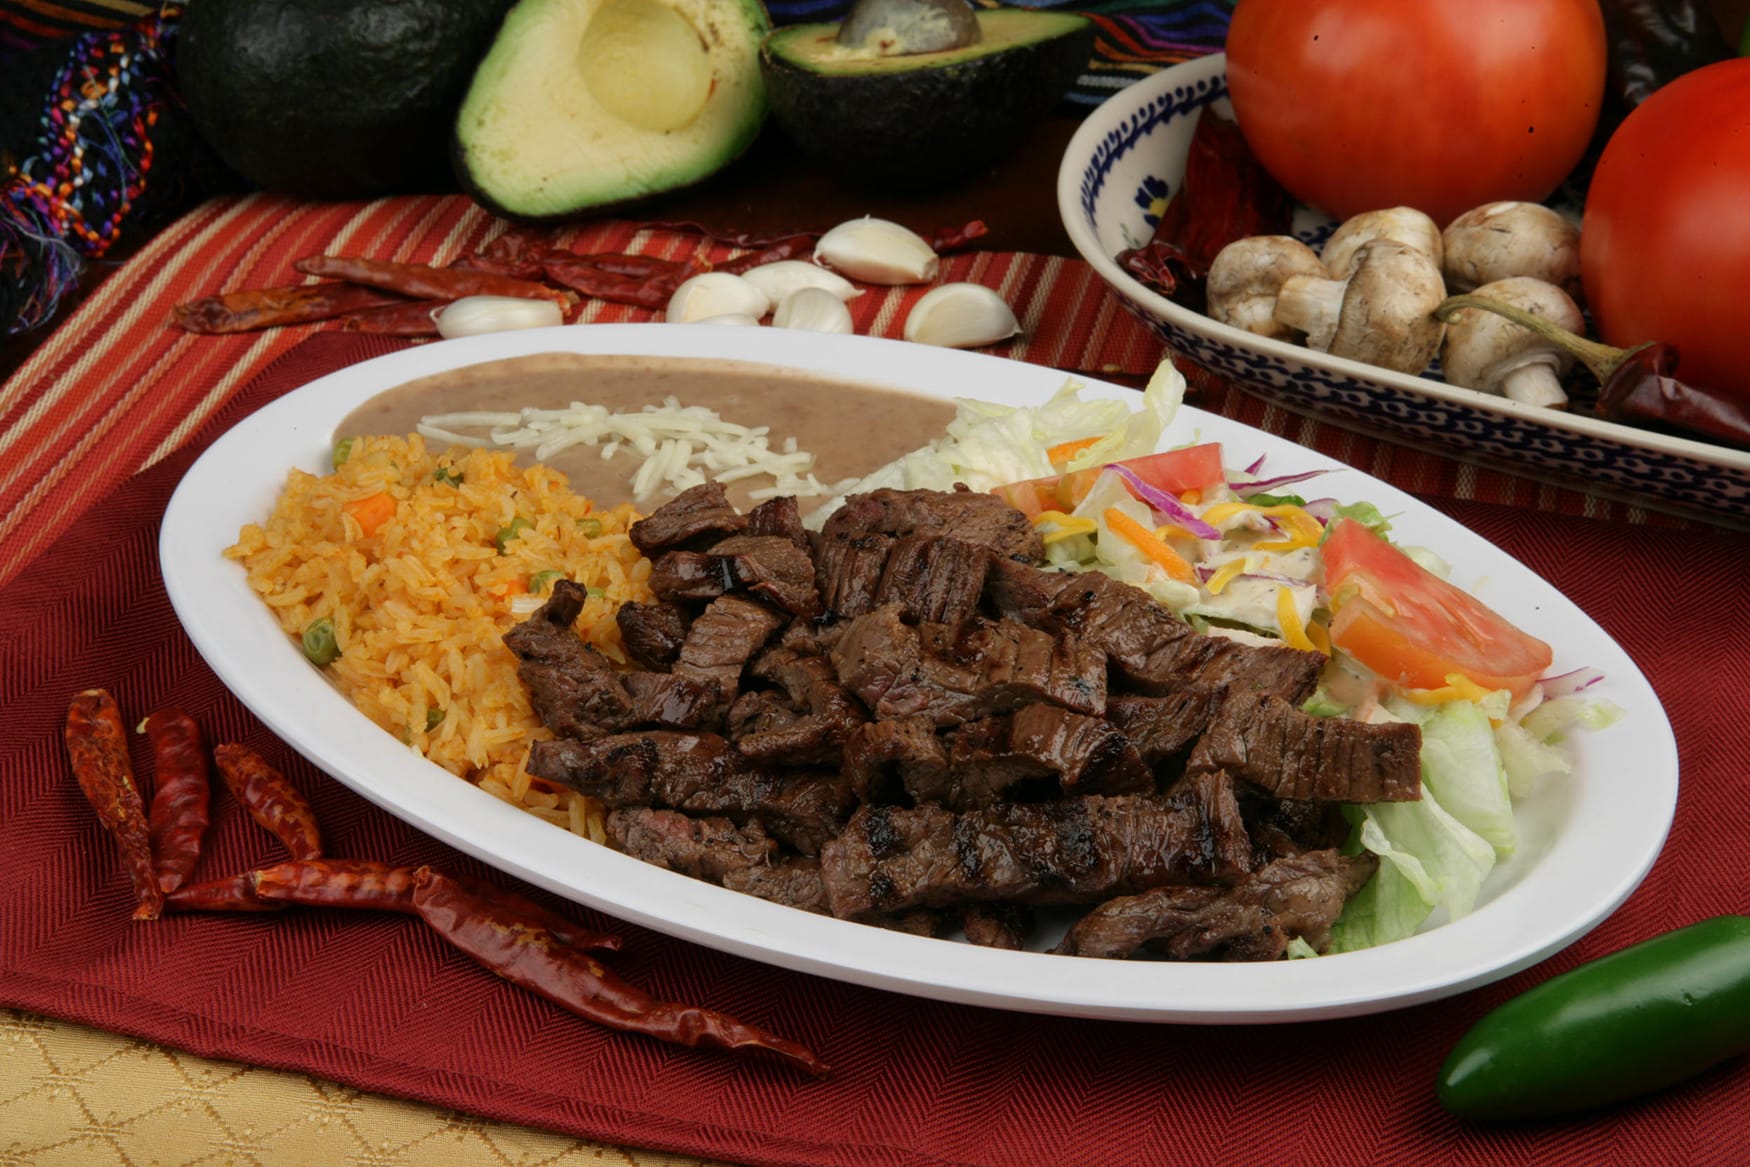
1297,897
705,848
723,638
900,760
693,519
1277,748
770,568
575,690
1164,728
673,701
957,673
780,516
1152,649
791,880
848,570
1074,850
1040,751
652,633
701,774
970,516
934,578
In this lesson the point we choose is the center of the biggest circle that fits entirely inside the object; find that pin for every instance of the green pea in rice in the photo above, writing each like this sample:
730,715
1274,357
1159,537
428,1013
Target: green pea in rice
405,561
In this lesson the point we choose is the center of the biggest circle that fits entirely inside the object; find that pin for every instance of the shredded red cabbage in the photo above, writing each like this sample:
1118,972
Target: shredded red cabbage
1267,485
1165,503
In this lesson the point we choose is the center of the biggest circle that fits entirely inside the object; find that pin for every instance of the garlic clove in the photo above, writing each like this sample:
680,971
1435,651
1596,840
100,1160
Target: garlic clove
731,319
877,251
960,316
813,310
779,279
716,293
475,315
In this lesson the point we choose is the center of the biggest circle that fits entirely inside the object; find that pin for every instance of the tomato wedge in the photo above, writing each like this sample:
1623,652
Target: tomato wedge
1174,471
1412,627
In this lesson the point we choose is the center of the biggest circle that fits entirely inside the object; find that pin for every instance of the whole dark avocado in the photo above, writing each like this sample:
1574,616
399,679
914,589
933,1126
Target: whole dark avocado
332,99
885,118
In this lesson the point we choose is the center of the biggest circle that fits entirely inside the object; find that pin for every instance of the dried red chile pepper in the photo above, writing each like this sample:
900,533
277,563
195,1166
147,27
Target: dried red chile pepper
271,799
422,281
97,744
1224,195
181,796
528,954
257,308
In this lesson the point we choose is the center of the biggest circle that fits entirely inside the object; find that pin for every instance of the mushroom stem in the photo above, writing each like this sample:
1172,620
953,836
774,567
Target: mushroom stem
1602,359
1534,384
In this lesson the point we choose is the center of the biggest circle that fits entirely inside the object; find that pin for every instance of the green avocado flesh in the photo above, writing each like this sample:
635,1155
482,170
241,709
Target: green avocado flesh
585,104
922,120
332,98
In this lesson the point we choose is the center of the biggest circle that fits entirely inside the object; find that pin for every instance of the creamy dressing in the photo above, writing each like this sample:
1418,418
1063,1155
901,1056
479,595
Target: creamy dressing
851,429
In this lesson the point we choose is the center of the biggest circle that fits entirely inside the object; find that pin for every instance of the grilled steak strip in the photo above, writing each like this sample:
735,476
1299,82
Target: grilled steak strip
705,848
575,690
725,635
695,518
848,570
701,774
1274,746
791,880
1300,896
1076,850
1164,728
652,633
955,673
1153,650
970,516
933,578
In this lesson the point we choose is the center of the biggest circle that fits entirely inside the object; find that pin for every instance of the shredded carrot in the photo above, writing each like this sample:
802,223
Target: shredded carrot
372,511
1062,452
1144,540
1288,619
1191,497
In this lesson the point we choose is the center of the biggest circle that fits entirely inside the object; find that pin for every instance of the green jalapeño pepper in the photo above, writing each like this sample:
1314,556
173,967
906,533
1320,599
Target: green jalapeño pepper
1626,1024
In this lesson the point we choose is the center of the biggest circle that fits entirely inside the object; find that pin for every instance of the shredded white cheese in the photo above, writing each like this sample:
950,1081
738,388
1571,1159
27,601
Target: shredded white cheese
678,446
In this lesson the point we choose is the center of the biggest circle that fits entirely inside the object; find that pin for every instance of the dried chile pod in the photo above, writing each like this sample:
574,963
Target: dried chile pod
1636,384
97,744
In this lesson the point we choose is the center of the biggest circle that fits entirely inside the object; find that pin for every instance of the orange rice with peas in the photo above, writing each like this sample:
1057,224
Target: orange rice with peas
421,562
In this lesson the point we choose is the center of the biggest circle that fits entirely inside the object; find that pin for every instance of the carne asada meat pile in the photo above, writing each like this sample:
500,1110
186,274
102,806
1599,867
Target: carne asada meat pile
904,720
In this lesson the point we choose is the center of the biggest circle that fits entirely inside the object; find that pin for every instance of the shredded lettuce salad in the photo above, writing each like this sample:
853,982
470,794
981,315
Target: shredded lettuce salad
1242,561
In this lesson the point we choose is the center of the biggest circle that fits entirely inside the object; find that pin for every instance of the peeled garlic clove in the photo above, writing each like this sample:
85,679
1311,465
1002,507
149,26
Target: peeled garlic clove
877,252
960,316
779,279
716,293
812,310
474,315
732,319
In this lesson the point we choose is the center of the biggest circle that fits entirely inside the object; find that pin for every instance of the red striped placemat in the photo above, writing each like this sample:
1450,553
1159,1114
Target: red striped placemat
116,388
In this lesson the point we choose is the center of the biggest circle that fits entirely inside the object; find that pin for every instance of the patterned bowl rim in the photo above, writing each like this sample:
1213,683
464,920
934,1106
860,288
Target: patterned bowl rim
1084,158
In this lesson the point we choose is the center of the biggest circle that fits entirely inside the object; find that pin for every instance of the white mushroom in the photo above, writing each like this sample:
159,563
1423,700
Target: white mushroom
1488,352
1247,274
1383,314
1406,225
1497,241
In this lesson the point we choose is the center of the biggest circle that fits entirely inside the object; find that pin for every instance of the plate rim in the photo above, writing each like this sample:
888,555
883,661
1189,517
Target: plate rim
208,594
1104,120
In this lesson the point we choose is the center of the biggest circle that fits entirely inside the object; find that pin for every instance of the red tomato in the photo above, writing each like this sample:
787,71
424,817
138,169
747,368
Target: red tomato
1665,244
1174,471
1412,627
1441,105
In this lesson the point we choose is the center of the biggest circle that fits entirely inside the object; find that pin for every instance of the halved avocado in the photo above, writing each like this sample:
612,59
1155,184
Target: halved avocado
913,121
584,104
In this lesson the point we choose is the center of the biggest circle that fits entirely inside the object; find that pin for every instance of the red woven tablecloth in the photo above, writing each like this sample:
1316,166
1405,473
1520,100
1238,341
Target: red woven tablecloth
377,1003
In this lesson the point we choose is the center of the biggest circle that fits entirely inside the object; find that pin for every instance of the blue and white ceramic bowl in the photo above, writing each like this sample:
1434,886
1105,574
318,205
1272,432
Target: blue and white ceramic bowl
1128,158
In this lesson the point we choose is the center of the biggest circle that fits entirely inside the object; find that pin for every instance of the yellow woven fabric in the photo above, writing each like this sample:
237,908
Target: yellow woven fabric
72,1096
